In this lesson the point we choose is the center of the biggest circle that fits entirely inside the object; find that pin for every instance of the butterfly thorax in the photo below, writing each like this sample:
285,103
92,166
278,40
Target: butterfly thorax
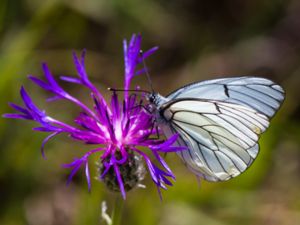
155,102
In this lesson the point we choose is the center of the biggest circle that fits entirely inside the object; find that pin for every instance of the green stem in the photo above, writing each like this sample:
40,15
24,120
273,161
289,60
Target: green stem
118,209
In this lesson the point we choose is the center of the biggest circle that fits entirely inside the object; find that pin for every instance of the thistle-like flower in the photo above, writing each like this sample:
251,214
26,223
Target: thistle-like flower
121,130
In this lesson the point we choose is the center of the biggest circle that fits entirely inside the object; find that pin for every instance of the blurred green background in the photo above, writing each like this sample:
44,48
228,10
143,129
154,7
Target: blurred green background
198,40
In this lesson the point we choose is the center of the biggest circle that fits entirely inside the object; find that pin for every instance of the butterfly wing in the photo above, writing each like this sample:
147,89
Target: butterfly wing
220,121
260,94
221,137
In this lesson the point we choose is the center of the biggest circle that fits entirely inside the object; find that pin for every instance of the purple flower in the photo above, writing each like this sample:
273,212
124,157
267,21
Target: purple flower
121,130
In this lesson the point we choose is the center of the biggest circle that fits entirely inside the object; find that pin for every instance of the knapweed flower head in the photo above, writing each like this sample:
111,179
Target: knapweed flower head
121,129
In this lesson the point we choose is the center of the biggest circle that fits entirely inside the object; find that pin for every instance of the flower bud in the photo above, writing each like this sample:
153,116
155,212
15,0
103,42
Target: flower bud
132,172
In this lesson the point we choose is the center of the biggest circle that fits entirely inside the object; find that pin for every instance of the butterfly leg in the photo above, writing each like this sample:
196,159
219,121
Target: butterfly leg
154,126
142,106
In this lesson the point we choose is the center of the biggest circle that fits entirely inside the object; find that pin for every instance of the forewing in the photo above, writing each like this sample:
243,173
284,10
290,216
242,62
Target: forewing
260,94
221,137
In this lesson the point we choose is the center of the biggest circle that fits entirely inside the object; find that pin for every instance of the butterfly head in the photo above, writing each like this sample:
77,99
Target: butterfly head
151,98
155,99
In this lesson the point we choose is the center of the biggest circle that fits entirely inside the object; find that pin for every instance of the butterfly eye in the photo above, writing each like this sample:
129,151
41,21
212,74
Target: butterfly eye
152,98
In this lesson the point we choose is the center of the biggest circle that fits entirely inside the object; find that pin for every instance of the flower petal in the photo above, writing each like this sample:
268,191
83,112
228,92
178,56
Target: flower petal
70,79
120,181
87,174
45,141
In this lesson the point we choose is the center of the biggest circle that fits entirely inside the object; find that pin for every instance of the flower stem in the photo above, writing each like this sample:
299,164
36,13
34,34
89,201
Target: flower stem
118,209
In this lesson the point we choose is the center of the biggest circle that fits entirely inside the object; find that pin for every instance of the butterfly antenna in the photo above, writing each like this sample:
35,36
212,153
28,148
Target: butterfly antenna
146,71
131,90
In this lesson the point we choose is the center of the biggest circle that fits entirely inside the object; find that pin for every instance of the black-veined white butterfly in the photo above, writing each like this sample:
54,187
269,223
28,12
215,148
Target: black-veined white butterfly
220,122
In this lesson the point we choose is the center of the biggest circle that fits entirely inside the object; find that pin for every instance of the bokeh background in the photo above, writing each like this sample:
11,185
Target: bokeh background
198,40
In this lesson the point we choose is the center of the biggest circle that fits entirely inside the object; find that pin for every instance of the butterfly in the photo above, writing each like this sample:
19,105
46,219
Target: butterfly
219,121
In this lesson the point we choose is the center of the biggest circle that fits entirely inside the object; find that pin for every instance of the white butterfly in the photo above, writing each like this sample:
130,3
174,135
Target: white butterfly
219,121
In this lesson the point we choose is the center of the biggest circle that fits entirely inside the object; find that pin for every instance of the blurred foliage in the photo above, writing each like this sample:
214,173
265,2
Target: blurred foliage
198,40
